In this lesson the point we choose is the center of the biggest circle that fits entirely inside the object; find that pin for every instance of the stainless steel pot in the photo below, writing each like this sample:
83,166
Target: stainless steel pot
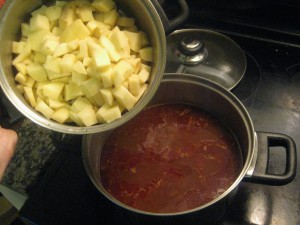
191,89
150,18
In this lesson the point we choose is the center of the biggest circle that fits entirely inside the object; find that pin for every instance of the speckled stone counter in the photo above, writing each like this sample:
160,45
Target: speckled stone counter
34,152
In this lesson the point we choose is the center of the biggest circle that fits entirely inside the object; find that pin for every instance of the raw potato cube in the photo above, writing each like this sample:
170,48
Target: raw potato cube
106,78
29,82
134,84
88,116
125,22
39,22
53,12
53,90
85,13
121,72
77,30
78,78
53,69
110,48
25,29
143,75
67,62
103,5
108,113
21,67
40,10
107,96
21,78
18,47
101,59
78,67
43,108
146,54
28,92
49,46
110,18
61,49
61,115
72,91
23,55
74,117
119,39
37,72
79,104
40,58
55,104
124,97
68,16
90,87
97,100
37,38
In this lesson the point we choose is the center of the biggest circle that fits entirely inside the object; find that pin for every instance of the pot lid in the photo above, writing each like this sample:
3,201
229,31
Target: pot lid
206,53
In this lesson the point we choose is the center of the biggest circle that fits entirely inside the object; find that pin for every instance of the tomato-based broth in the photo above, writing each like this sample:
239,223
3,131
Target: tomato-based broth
170,158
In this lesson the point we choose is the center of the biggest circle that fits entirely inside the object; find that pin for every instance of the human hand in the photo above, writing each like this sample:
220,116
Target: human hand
8,142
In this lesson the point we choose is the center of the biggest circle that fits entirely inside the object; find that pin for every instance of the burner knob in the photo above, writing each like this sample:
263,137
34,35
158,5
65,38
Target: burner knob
191,51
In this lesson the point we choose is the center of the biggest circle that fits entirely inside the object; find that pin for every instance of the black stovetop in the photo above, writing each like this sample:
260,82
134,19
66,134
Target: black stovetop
270,90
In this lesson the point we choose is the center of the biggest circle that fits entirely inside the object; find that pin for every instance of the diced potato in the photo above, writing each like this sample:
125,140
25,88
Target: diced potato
18,47
83,50
146,54
87,116
106,78
61,49
103,5
21,78
79,104
124,21
124,97
135,40
107,96
90,87
143,75
37,38
53,90
39,22
78,78
53,12
37,72
77,30
23,55
21,67
67,62
108,113
61,115
85,13
43,108
121,72
68,16
28,92
72,91
40,10
25,29
53,69
78,67
101,59
110,18
40,57
142,90
97,100
56,104
49,46
29,82
110,48
119,39
134,84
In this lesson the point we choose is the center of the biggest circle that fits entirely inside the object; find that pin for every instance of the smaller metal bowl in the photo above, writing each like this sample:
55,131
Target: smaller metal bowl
15,12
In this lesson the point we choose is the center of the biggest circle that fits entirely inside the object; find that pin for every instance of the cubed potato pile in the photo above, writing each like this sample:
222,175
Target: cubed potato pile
82,62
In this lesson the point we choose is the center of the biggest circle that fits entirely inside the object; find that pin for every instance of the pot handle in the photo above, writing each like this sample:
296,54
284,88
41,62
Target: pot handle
170,25
260,173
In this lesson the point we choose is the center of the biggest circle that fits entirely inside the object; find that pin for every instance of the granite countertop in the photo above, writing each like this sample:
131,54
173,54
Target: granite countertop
34,151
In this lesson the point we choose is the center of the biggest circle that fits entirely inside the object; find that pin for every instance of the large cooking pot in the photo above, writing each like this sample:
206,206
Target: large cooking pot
150,18
191,89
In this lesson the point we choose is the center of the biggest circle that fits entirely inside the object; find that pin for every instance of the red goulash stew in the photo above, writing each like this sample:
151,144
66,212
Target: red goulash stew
170,158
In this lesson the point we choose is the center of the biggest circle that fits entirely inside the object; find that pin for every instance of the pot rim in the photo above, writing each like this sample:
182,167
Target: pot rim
249,162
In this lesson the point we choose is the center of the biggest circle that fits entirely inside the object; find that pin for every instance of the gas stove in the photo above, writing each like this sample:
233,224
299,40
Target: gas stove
270,90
